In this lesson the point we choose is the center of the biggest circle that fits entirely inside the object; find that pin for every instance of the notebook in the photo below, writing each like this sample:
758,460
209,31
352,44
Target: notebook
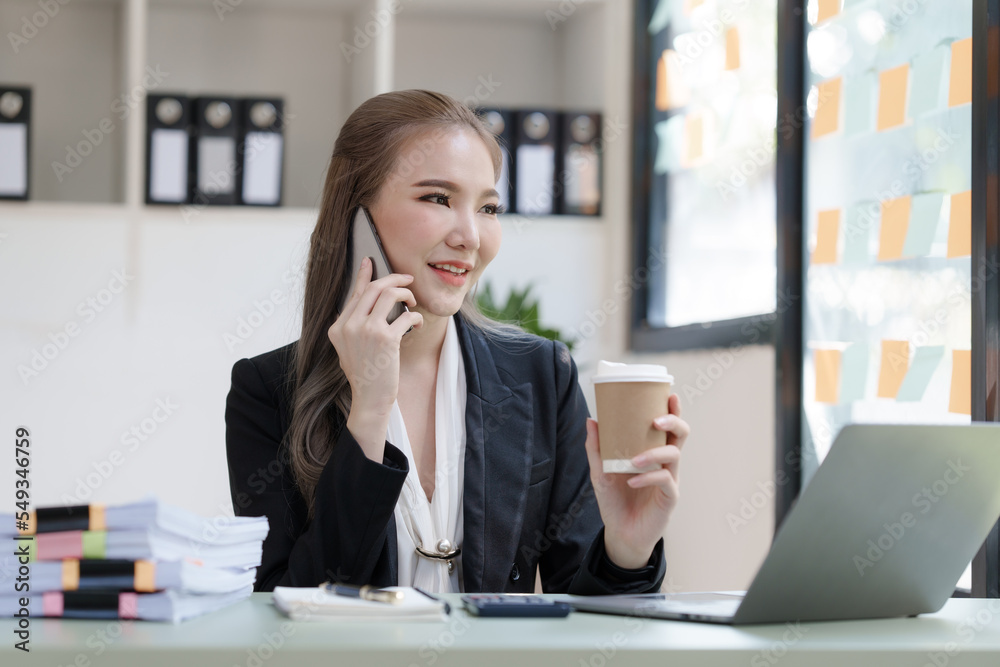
314,604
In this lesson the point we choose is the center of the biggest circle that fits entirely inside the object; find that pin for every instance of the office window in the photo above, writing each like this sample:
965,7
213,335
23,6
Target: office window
887,219
711,102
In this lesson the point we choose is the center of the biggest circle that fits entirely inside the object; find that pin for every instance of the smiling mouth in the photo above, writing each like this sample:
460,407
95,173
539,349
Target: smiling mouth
454,270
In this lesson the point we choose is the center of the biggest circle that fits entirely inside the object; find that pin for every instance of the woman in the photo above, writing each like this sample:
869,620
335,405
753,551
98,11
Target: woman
442,450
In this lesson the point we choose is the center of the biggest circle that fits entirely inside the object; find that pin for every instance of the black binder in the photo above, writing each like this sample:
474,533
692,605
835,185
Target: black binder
580,166
168,119
214,164
535,188
501,123
15,142
261,152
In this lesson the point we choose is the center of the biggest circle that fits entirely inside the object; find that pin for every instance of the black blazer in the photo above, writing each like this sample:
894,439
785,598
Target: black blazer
528,500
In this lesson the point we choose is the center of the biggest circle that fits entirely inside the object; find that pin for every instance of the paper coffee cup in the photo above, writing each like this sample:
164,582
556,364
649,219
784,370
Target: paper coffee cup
629,398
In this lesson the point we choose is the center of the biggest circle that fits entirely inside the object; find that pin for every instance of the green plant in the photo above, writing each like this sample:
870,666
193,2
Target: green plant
521,309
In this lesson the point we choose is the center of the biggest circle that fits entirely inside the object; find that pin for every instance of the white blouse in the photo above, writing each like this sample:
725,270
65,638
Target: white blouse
435,526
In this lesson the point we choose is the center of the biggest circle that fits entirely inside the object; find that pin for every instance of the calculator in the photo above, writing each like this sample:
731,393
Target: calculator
514,606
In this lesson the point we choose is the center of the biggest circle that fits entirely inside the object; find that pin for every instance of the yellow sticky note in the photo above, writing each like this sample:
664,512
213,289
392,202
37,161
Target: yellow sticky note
827,8
827,229
895,362
960,84
827,118
892,97
671,91
827,375
961,382
960,225
694,139
732,49
895,221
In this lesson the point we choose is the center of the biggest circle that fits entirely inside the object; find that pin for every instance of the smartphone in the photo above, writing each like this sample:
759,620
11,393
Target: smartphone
364,242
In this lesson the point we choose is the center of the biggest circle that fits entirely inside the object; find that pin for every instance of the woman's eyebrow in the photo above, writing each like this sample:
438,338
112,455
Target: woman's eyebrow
448,185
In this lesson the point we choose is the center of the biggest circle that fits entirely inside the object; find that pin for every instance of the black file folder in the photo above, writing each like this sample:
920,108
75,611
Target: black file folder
214,161
535,137
168,118
262,151
500,123
580,167
15,142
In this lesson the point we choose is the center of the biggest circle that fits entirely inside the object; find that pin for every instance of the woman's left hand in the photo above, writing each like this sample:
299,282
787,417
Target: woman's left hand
635,508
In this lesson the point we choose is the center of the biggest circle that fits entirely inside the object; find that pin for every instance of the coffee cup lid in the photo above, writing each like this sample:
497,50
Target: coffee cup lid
609,371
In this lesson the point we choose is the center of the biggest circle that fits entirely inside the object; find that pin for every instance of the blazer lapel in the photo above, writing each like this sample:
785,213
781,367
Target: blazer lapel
498,426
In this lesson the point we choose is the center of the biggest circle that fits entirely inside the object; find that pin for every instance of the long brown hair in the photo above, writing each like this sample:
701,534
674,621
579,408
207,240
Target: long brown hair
366,154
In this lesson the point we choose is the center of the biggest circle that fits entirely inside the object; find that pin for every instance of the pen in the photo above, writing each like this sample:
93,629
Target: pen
447,607
364,592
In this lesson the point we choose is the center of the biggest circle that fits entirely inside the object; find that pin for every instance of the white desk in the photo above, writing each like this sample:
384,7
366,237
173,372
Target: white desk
253,634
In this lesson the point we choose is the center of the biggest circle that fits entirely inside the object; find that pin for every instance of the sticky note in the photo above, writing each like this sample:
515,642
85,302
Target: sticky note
925,361
732,49
926,86
895,362
861,219
827,9
960,80
859,107
691,5
960,225
671,91
827,228
892,233
853,372
892,97
827,118
669,138
827,375
694,138
924,217
960,400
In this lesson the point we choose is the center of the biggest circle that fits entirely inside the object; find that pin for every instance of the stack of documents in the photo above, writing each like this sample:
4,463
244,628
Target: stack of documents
144,560
315,604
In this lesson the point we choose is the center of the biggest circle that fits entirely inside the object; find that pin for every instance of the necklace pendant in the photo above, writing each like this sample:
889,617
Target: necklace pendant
451,566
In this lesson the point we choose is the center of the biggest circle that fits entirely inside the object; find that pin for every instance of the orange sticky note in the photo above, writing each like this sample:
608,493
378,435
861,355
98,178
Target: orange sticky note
671,91
892,97
895,221
732,49
691,5
895,363
827,375
694,139
827,117
827,8
827,228
960,225
960,84
961,382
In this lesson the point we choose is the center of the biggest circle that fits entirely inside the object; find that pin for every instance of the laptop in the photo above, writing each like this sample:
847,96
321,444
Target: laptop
885,528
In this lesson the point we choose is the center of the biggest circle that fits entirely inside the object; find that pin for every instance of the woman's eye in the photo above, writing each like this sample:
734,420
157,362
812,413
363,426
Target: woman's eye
437,199
493,209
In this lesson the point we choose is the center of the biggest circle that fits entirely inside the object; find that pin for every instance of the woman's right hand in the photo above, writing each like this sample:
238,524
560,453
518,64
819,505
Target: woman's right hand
368,349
